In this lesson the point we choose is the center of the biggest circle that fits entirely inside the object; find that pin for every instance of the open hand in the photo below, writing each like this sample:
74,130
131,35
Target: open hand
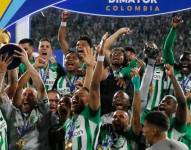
4,62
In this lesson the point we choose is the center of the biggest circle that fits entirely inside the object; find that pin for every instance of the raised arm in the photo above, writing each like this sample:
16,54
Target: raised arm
114,37
94,102
181,112
168,54
4,62
62,33
12,83
31,71
90,62
145,83
136,104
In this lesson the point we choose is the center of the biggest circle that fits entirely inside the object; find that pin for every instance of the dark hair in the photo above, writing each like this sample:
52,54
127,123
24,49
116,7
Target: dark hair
25,40
45,39
54,91
130,49
123,51
72,52
158,119
87,39
184,56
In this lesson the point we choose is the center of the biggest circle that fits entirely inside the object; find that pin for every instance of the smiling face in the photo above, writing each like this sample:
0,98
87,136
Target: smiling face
79,100
72,62
121,101
45,49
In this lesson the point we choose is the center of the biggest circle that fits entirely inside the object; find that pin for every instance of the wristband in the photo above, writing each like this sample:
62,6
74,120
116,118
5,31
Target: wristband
100,58
63,24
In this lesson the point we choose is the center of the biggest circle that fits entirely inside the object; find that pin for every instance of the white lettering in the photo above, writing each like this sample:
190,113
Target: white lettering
146,1
78,133
131,1
111,1
107,8
130,8
137,8
134,1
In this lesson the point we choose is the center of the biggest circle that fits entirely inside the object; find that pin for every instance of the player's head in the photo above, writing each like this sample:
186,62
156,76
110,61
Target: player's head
185,63
82,43
156,124
120,121
45,48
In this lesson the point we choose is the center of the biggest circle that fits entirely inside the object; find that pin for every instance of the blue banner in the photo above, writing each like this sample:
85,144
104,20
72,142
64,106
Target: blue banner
126,8
13,10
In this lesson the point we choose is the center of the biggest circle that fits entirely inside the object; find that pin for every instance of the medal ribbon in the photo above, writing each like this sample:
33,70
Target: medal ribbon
44,73
184,83
69,134
70,82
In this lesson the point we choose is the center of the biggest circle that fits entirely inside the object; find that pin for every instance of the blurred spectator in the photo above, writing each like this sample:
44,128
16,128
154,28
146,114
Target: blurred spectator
145,29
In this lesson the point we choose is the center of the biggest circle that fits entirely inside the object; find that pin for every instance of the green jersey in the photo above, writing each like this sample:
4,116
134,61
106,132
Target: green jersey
108,140
186,139
3,133
82,131
22,67
50,74
66,84
125,72
157,85
160,83
176,131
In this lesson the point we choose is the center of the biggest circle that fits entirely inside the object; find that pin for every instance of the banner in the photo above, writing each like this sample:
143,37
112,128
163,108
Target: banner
13,10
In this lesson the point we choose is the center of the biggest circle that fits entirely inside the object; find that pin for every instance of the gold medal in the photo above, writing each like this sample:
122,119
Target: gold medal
20,143
99,147
68,145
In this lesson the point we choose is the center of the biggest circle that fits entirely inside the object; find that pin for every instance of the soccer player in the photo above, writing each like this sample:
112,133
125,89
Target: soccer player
82,130
155,126
123,133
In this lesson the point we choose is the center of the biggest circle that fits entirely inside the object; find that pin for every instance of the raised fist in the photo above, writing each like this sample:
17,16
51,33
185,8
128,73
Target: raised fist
65,15
177,21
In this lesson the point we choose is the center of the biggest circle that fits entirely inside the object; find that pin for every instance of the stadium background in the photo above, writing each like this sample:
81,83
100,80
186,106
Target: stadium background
46,24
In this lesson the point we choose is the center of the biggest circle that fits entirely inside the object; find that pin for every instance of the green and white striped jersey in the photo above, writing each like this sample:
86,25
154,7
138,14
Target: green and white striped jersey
176,131
83,130
66,85
157,84
162,86
50,74
186,139
108,140
160,82
3,133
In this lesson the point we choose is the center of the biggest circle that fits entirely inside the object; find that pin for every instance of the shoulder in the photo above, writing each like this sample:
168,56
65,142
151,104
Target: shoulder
176,145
